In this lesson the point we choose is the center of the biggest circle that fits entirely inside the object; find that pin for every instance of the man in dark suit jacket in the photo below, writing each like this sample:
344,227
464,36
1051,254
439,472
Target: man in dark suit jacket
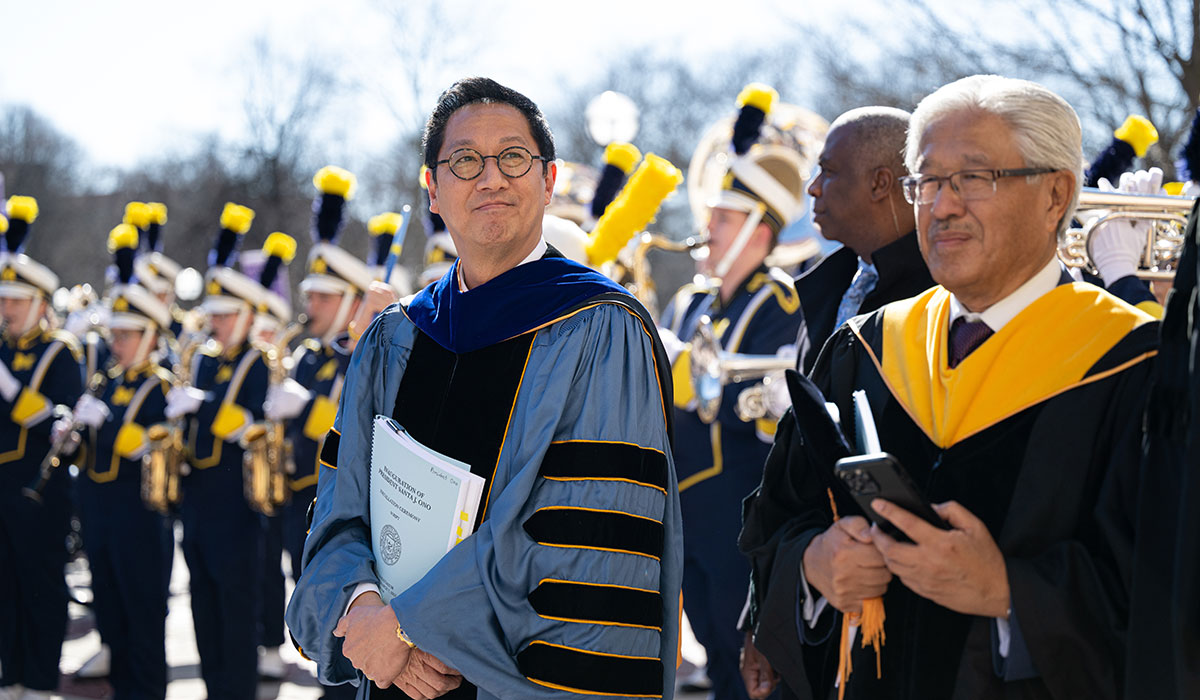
857,201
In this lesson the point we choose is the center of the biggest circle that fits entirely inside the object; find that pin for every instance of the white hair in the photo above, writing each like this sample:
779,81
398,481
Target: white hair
1045,128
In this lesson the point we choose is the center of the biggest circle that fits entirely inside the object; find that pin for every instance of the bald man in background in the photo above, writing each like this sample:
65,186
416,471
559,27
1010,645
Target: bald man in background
857,201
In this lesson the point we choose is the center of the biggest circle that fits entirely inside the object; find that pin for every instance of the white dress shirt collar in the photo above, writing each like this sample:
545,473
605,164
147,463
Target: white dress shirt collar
1005,310
538,251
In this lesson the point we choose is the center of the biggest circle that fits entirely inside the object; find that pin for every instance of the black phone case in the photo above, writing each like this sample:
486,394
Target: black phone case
879,475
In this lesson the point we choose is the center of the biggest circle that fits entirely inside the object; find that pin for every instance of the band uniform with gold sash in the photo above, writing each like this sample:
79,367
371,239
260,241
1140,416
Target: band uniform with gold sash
222,535
129,546
754,310
39,369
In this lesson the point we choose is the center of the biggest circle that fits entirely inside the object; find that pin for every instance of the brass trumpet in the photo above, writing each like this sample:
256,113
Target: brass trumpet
712,368
643,284
1164,238
266,457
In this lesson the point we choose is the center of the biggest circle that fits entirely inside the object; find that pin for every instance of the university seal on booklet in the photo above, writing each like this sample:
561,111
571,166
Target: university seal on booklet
389,545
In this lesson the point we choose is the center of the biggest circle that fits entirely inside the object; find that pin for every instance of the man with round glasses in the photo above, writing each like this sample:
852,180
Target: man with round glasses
1011,396
468,163
550,382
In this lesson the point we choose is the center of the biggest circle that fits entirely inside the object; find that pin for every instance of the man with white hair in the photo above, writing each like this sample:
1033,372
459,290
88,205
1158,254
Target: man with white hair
1011,396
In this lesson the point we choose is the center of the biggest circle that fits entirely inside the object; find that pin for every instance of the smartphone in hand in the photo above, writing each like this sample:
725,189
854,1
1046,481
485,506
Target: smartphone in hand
879,475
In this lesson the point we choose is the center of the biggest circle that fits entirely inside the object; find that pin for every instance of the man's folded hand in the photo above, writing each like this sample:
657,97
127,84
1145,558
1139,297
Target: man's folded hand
425,677
373,647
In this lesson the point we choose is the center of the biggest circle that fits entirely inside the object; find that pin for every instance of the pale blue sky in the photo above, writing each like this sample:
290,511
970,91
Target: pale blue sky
129,79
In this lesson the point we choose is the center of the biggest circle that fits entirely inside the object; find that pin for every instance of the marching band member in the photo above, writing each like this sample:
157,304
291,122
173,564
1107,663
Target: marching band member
222,536
156,273
273,326
1116,247
753,310
39,369
334,292
129,547
1132,139
383,231
154,270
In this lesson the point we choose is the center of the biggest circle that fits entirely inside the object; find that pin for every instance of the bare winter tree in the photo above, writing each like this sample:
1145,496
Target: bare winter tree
284,103
431,42
40,161
677,101
1109,58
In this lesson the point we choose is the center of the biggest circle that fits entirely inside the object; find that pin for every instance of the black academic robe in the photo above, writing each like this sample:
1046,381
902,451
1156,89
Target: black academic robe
1164,615
902,274
1054,482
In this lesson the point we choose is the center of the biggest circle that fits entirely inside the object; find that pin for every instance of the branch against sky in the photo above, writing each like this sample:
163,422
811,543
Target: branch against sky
431,45
1108,58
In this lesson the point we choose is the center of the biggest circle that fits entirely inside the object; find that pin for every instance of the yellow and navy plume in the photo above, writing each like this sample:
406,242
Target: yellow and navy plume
382,228
619,160
279,250
334,187
1130,139
755,102
137,214
157,216
235,222
122,244
22,211
633,209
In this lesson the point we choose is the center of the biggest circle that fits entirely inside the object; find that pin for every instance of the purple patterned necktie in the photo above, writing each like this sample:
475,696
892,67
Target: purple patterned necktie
965,336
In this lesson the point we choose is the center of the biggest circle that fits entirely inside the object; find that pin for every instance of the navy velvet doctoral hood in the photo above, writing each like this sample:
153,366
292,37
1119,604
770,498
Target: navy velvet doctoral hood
517,301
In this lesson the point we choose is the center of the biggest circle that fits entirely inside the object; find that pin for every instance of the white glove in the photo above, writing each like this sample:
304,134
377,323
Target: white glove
91,411
776,395
61,427
671,343
80,321
286,400
182,401
1191,188
10,386
1117,246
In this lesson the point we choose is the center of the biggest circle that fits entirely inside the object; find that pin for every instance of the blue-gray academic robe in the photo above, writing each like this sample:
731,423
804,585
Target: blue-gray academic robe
570,584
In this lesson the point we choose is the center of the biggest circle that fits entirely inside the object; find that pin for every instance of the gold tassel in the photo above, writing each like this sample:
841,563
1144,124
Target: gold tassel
870,624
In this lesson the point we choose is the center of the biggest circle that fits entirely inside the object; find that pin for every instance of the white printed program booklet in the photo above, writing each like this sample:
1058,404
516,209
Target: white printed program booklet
422,504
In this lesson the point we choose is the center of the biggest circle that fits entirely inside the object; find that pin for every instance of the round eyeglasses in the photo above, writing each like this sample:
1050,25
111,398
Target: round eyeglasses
467,163
968,184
